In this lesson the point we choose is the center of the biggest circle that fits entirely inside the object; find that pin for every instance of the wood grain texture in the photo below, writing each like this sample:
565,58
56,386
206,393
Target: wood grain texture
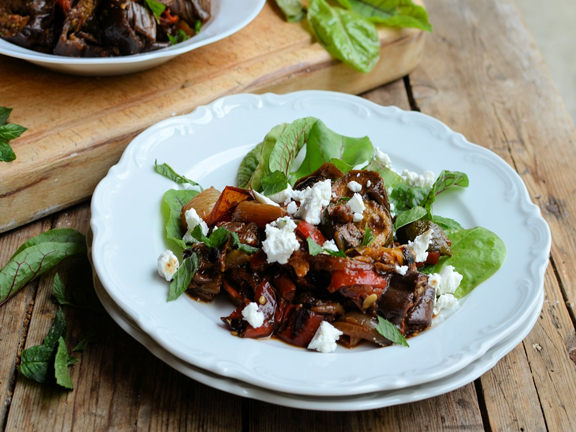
78,127
499,95
118,384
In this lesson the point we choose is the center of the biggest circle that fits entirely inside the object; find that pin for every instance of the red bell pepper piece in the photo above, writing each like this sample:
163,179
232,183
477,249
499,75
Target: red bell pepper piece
342,278
305,230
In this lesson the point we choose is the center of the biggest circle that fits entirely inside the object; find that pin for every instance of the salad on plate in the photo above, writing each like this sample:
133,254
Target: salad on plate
322,242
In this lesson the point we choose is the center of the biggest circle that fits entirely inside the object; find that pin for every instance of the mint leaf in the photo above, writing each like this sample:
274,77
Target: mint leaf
243,247
172,204
84,342
313,247
393,13
11,131
368,237
183,277
408,216
34,261
345,34
324,145
167,171
8,131
390,332
4,114
6,152
156,7
197,26
57,330
219,237
445,180
61,363
59,291
274,183
292,9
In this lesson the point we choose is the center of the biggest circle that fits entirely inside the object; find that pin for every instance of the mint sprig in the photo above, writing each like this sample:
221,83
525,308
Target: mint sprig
8,131
390,332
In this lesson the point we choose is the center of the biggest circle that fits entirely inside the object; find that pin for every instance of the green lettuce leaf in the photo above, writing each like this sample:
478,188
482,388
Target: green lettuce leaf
408,216
324,145
248,166
292,9
345,34
264,155
172,204
289,144
477,254
446,223
445,181
393,13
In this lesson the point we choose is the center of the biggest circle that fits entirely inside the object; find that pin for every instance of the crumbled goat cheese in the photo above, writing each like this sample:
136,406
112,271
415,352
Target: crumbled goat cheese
445,302
313,200
426,180
383,159
420,246
251,314
446,282
280,240
292,208
356,204
368,183
330,245
401,269
167,265
324,340
283,196
264,199
357,217
192,220
354,186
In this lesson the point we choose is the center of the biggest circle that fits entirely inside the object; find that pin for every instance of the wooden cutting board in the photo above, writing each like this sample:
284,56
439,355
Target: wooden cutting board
78,126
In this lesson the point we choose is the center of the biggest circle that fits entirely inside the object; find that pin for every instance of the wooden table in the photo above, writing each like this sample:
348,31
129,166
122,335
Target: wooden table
483,76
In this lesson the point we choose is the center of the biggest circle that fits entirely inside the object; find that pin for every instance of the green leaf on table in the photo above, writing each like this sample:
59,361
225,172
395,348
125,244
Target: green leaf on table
393,13
292,9
167,171
263,156
85,341
4,114
477,254
61,363
289,144
408,216
34,261
445,181
172,204
57,235
6,152
345,34
368,237
36,361
324,145
390,332
8,131
11,131
446,223
183,277
59,292
156,8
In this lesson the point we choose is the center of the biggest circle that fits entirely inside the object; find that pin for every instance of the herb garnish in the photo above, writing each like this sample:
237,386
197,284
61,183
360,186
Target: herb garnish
8,131
156,8
181,36
315,249
183,277
167,171
219,236
197,26
390,332
368,237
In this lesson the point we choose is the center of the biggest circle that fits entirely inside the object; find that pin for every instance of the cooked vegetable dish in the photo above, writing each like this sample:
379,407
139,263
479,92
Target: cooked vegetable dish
339,254
100,28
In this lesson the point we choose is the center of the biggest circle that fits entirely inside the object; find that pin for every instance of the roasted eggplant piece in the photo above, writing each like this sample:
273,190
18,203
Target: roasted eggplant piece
29,24
327,171
358,327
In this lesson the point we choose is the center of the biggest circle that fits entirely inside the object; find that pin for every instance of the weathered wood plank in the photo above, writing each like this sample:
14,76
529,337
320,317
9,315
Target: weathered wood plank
489,82
457,410
78,127
14,316
391,94
118,384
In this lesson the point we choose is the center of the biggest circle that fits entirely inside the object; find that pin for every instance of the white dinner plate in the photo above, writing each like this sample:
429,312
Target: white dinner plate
228,16
208,145
343,403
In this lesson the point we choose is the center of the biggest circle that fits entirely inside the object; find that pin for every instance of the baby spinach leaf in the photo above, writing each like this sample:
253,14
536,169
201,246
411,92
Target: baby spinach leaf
390,332
289,144
268,145
408,216
393,13
36,361
391,178
405,197
445,180
32,262
292,9
248,166
167,171
345,34
324,145
477,254
183,277
446,223
61,363
274,183
172,204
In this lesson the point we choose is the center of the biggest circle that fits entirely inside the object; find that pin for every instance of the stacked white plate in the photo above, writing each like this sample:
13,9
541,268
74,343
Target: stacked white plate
208,145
